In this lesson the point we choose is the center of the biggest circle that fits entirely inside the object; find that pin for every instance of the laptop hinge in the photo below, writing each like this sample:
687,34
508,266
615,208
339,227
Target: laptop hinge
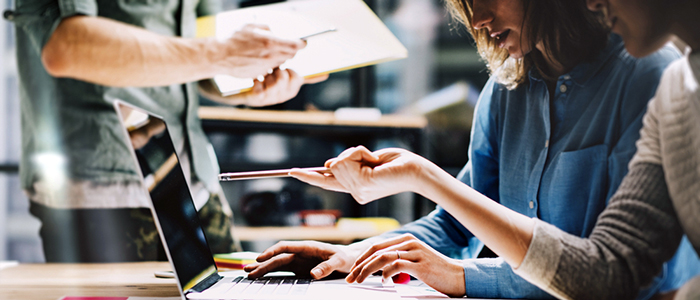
205,284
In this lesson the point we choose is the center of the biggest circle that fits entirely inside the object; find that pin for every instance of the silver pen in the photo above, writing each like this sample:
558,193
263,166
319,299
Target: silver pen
267,174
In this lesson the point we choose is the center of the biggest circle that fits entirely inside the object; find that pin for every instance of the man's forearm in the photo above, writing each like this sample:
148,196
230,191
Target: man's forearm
108,52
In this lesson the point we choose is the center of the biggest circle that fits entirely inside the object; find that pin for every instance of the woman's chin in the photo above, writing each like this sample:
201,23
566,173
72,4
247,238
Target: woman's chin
515,54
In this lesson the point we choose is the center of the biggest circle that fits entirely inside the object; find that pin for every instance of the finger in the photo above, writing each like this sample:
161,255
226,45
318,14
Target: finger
358,154
316,79
398,266
326,268
283,247
258,87
271,265
273,79
348,166
373,264
328,163
294,83
383,245
327,182
295,79
284,46
252,26
406,251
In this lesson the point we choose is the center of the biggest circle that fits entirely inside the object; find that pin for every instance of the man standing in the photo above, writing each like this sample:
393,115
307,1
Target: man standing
75,57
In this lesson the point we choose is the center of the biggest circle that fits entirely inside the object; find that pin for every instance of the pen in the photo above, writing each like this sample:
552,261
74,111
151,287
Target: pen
316,33
267,174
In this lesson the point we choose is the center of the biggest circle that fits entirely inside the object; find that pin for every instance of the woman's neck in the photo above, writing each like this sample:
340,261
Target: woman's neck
553,67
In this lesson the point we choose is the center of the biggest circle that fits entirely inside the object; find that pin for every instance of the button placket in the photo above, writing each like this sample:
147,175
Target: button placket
563,88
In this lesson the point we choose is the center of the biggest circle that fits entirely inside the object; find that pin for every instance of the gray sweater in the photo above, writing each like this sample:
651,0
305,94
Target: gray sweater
657,202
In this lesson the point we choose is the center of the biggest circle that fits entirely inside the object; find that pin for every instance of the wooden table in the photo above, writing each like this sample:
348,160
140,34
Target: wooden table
53,281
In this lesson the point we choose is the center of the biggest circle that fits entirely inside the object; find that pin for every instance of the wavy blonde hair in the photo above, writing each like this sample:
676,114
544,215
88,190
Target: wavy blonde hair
569,32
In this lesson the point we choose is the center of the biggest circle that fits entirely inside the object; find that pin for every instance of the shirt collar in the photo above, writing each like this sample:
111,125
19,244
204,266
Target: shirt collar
582,72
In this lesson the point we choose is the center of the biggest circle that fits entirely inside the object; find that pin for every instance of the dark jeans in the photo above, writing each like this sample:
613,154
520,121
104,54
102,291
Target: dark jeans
118,235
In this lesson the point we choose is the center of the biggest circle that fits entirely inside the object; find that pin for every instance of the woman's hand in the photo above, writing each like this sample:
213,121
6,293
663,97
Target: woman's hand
368,176
305,258
407,254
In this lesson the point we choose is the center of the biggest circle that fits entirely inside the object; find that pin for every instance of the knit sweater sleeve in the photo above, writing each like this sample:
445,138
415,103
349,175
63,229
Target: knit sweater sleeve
634,235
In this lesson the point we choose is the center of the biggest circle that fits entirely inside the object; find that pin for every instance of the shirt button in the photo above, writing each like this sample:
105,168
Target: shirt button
563,88
546,143
532,204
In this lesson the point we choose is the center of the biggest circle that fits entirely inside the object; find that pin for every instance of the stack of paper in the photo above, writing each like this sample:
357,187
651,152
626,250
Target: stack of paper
235,260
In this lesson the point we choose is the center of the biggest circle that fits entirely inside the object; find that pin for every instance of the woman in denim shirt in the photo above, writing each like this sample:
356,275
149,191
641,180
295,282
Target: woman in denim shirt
553,132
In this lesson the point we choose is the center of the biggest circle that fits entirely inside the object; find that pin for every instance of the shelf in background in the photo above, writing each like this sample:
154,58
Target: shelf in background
345,232
321,118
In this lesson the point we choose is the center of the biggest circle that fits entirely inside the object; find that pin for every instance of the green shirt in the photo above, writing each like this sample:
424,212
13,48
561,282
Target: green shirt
70,130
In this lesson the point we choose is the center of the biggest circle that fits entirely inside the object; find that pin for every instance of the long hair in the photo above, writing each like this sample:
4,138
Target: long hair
569,32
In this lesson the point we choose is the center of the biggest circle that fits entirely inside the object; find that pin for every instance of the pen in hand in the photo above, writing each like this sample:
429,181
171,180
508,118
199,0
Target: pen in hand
267,174
306,37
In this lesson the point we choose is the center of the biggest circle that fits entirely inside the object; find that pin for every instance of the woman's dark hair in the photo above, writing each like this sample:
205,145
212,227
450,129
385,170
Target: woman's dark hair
569,32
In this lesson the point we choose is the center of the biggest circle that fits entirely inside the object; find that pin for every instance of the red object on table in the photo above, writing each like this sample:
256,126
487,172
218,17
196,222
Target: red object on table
401,278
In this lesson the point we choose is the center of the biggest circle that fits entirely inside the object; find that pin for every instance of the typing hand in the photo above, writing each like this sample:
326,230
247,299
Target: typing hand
407,254
304,258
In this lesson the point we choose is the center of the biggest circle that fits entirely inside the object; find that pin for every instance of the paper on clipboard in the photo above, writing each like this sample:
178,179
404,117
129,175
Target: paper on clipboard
359,38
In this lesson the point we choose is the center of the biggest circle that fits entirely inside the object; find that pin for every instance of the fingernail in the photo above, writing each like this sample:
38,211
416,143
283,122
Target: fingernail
316,272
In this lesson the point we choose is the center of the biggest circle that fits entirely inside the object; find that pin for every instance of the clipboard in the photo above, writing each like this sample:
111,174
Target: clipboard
358,39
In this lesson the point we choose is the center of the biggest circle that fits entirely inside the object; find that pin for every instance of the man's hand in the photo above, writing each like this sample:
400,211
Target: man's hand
407,254
305,258
278,86
253,51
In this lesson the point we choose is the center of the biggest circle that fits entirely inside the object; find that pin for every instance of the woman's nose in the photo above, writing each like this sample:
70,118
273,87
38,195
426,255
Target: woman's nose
481,16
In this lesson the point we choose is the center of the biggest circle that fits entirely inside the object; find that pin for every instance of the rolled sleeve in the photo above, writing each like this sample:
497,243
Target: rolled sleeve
77,7
542,258
39,18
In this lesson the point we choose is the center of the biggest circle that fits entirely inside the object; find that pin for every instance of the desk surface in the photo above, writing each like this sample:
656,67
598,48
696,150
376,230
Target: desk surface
52,281
305,117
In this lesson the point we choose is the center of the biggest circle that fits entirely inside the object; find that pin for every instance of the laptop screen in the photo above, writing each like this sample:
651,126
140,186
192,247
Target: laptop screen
175,213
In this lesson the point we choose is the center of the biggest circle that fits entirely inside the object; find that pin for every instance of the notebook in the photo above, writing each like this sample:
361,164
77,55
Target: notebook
356,37
182,235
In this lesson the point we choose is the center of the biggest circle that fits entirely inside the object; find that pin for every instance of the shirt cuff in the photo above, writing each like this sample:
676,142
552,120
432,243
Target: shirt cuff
478,281
542,258
77,7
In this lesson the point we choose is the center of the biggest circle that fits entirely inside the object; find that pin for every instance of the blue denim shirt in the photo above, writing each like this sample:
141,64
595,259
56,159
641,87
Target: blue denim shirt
559,161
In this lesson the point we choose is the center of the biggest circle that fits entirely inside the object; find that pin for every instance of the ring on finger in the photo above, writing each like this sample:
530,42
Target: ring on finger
398,254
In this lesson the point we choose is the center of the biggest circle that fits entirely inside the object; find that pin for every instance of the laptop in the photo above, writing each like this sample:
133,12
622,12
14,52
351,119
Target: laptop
184,240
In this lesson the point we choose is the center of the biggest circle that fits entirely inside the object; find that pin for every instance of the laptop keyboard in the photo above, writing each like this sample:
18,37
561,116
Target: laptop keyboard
268,286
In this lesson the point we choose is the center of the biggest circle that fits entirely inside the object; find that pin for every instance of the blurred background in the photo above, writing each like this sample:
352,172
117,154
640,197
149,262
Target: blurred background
440,80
